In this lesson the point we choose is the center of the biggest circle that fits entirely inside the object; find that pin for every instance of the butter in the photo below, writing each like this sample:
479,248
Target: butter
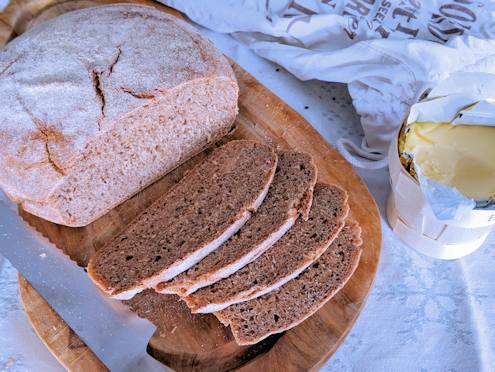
460,156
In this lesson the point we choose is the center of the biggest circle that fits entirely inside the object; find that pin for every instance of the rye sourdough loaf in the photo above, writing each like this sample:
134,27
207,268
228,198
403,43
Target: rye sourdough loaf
286,259
193,219
99,103
289,195
298,299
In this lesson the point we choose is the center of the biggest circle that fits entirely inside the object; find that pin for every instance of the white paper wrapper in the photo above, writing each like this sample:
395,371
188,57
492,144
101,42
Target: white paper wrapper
448,100
463,99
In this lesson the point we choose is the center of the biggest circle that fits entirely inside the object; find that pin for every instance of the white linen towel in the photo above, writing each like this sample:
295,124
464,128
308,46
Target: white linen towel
389,52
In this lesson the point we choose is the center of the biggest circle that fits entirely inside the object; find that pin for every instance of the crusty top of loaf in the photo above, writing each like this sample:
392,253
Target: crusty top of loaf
67,80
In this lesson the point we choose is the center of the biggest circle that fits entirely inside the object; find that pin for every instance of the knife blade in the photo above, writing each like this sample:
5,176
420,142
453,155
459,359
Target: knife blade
116,335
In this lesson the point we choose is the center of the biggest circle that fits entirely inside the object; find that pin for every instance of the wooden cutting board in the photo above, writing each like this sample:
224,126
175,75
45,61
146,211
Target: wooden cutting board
199,342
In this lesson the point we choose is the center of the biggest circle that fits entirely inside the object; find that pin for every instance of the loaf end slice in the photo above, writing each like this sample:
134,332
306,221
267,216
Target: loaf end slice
194,218
291,304
287,258
289,196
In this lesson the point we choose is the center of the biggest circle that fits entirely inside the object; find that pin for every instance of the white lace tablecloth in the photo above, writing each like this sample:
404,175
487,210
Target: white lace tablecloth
422,315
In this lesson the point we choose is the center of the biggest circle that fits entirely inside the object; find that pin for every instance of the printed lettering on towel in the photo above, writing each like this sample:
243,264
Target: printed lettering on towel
429,20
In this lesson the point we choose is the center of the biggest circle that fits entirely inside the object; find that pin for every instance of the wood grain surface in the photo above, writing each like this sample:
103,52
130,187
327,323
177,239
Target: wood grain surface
197,342
58,337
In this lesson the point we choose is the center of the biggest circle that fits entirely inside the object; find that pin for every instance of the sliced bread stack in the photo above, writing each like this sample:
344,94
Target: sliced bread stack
289,196
194,218
286,259
292,303
246,235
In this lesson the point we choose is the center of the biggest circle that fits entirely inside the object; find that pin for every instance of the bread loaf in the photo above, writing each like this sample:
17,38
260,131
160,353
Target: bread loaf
99,103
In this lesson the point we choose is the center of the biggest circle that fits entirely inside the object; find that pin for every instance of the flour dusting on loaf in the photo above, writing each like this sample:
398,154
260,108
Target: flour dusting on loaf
99,103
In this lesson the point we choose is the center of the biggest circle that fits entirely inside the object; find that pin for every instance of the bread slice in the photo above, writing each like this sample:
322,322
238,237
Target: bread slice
166,311
194,218
295,301
286,259
289,195
98,103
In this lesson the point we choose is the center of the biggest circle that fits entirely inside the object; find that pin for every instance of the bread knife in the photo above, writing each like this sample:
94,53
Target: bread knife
116,335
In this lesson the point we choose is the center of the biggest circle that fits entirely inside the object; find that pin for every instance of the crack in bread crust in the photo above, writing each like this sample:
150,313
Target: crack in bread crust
116,60
45,135
100,94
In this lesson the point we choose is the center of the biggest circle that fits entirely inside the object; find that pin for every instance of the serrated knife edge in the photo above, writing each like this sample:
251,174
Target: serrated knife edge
117,336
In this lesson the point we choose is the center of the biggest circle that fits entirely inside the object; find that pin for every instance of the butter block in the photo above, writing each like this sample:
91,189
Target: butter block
460,156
